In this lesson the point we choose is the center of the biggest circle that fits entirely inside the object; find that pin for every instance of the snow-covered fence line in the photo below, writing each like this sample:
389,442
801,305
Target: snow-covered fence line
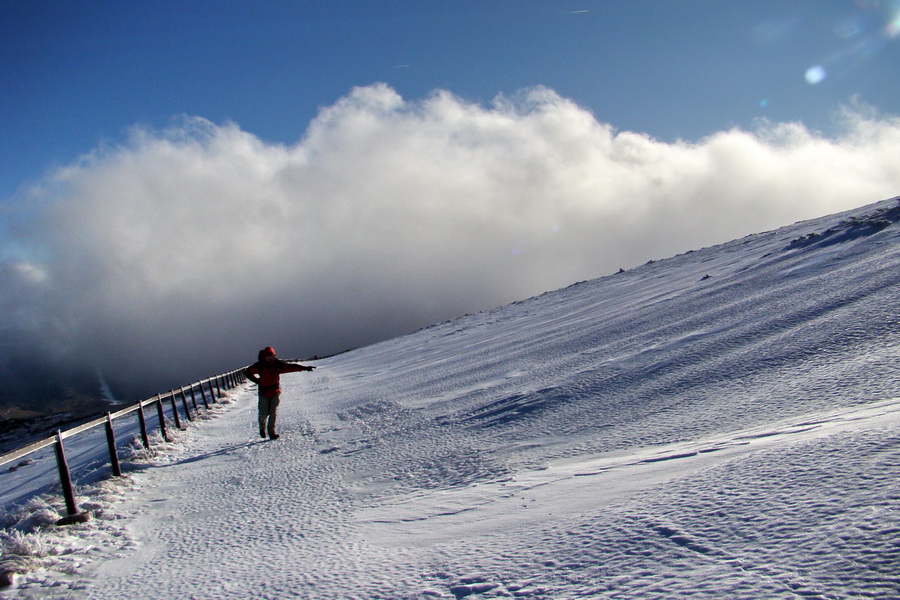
89,452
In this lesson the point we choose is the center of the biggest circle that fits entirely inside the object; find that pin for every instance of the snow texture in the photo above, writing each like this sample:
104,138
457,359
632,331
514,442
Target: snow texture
721,424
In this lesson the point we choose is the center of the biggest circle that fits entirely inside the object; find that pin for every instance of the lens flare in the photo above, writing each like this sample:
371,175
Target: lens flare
892,29
861,39
816,74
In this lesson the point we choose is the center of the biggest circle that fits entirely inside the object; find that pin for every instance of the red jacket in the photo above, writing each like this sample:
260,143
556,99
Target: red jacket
267,375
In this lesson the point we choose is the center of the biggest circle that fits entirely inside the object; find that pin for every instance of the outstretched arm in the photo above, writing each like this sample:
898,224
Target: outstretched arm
293,368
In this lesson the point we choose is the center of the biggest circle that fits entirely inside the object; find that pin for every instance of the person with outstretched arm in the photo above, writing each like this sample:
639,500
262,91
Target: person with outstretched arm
266,373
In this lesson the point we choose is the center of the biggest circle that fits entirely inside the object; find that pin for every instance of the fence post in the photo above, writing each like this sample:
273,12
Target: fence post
162,417
111,442
64,478
184,403
218,389
202,394
212,392
194,398
145,437
175,409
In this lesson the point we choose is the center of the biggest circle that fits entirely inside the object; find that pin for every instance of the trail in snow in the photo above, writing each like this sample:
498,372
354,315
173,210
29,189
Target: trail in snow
232,490
653,434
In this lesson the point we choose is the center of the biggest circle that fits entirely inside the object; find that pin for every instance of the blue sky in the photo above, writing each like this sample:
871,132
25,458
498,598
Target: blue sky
77,74
322,175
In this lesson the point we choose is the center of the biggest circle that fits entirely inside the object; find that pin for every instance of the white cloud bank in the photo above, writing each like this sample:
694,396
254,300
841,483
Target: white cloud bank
184,251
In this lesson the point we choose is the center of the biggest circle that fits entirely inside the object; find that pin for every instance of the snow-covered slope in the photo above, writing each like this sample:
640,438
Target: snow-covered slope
721,424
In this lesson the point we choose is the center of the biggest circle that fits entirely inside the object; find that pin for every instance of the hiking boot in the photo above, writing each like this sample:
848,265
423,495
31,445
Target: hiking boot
274,436
262,433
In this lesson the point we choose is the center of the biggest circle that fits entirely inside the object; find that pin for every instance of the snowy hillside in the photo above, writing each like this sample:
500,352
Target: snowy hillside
721,424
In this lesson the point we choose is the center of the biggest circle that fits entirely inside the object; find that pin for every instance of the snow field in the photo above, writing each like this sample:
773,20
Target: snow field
652,434
757,514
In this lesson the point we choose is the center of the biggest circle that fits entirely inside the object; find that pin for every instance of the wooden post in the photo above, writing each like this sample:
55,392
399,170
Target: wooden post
212,392
175,409
64,478
203,394
145,437
111,442
218,389
194,398
162,417
184,403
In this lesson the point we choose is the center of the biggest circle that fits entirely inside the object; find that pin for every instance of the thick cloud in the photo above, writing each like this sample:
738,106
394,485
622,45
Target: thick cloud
182,252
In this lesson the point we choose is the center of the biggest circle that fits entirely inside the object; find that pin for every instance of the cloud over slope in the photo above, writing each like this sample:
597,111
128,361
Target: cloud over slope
182,251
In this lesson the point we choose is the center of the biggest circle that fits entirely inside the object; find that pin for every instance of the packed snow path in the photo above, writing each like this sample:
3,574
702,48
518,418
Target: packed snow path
280,508
723,424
